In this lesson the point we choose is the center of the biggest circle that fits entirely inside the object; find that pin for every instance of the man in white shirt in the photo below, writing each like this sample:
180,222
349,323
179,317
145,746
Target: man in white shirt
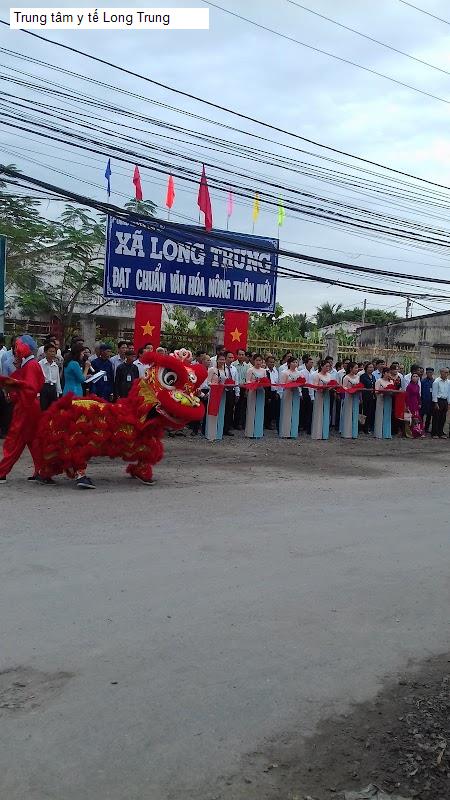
241,367
231,394
440,396
120,357
306,406
379,364
220,350
272,404
51,389
141,367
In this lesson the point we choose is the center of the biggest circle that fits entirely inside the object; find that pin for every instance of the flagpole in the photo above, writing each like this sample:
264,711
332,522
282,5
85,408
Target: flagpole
228,222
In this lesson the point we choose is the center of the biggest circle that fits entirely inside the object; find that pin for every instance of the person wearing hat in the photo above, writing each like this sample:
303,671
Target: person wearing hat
104,387
24,386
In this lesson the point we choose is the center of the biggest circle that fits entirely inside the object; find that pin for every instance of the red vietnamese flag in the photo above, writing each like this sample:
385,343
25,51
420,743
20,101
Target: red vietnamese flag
204,200
236,330
147,324
137,184
170,196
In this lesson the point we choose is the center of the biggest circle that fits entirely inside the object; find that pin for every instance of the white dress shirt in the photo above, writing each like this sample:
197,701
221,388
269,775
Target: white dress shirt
307,375
116,361
141,367
441,390
51,374
274,377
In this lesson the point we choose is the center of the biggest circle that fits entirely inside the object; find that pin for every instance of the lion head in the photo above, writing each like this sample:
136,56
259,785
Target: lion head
168,391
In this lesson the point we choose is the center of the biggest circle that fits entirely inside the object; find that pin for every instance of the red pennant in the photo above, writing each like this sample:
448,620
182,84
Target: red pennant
137,184
170,196
204,200
236,330
147,324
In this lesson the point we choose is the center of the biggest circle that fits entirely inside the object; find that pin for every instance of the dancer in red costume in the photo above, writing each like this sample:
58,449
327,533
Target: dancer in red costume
24,386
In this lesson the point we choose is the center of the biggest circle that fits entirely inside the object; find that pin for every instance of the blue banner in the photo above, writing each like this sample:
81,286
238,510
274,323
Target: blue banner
186,265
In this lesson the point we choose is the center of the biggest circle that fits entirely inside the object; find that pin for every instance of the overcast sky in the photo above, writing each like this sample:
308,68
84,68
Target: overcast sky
253,71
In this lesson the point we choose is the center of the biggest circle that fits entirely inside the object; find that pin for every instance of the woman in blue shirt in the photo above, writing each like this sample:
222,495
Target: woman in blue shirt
74,374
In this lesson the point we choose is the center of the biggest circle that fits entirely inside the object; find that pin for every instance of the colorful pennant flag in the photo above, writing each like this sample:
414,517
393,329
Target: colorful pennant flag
230,203
137,184
281,212
204,200
170,196
108,174
255,213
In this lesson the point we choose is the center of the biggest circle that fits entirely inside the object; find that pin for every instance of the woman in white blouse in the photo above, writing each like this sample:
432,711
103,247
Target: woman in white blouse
290,401
321,411
383,409
254,424
350,407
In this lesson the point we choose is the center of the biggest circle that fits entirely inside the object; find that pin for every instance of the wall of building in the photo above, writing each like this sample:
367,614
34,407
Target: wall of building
431,329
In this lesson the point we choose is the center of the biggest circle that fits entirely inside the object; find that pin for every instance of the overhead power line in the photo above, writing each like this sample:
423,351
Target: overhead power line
238,113
422,11
369,38
18,179
327,53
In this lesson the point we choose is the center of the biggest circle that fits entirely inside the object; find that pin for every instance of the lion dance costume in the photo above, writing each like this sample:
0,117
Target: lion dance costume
23,386
74,430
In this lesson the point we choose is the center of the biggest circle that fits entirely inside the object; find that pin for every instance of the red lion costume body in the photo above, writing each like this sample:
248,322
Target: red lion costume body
74,430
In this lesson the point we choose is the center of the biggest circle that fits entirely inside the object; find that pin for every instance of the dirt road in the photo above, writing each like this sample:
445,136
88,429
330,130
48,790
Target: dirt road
177,641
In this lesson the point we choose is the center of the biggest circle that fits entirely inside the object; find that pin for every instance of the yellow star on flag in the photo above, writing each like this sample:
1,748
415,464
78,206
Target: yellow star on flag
236,335
147,329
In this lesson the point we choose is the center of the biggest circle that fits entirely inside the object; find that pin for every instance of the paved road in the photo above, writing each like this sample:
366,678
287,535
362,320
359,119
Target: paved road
166,633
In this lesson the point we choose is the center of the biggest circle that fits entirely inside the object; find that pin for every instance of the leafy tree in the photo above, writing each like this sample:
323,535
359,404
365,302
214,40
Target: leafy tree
144,207
29,236
75,271
374,316
328,314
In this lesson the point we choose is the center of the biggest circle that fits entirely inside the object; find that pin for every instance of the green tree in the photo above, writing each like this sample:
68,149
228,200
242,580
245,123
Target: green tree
29,236
75,271
328,314
374,316
144,207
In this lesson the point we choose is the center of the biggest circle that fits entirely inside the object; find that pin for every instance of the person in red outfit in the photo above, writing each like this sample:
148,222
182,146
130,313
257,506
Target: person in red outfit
24,386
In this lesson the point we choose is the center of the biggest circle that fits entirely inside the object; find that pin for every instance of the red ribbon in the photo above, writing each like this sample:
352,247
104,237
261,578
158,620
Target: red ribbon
216,391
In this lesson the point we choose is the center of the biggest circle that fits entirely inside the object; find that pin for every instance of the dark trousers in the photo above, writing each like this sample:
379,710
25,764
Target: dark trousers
6,410
368,407
427,416
240,410
306,409
337,411
48,395
271,408
201,424
439,417
230,398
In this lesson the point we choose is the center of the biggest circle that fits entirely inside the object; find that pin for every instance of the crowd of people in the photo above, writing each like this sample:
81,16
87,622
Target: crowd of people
109,376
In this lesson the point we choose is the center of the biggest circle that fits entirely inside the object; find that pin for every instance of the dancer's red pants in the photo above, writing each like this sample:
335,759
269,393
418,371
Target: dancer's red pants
21,434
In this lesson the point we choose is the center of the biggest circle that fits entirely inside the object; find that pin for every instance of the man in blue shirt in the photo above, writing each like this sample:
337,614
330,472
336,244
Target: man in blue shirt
426,409
7,365
104,387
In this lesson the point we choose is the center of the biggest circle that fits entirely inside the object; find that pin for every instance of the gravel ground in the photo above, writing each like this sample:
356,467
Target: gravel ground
269,620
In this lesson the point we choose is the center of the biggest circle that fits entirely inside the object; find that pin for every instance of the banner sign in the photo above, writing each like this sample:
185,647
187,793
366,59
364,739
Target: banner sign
186,266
